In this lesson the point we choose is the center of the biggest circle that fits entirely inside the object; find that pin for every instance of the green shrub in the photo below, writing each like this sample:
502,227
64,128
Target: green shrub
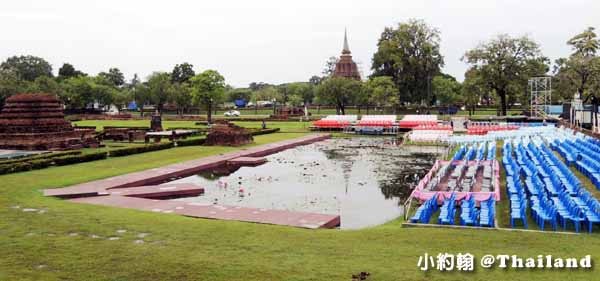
140,149
40,156
72,159
190,142
265,131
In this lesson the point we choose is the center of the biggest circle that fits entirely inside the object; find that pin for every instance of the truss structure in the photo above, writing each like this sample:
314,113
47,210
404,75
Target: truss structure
540,89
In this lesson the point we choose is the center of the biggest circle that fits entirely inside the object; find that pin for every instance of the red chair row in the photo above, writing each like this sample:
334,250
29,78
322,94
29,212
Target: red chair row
482,130
415,123
331,124
433,127
375,123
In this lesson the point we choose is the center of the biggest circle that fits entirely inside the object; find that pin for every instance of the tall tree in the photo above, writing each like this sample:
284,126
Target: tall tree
410,54
10,84
446,90
208,88
473,90
78,92
505,64
181,96
315,80
182,73
27,67
45,84
582,68
67,70
114,75
159,89
339,92
381,91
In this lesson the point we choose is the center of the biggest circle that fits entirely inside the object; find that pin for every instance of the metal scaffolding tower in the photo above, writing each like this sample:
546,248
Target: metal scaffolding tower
540,95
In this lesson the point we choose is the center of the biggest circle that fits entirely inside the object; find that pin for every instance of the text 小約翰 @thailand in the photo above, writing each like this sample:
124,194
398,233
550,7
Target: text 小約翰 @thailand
467,262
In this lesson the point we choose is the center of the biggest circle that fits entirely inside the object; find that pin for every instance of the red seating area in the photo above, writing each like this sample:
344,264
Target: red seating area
436,127
331,124
415,123
484,129
375,123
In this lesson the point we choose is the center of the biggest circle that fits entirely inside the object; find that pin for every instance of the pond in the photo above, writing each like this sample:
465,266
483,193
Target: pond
362,179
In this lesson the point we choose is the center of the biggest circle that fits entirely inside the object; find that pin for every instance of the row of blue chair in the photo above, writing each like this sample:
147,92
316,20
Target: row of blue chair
491,151
469,214
426,210
460,153
487,213
448,210
555,195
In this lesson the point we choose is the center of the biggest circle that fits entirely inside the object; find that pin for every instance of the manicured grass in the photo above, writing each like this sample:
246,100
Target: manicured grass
43,246
285,126
135,123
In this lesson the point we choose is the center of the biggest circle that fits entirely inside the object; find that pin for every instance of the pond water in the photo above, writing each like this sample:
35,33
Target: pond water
362,179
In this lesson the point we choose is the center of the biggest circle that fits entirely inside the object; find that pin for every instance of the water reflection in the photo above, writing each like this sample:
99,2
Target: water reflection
364,179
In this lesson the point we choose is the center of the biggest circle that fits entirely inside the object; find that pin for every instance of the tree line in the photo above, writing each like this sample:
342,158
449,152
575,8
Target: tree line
406,70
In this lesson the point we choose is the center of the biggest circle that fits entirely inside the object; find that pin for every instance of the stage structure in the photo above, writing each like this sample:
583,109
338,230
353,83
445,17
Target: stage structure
540,89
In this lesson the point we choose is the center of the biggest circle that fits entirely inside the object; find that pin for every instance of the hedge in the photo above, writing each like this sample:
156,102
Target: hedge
25,166
265,131
72,159
39,156
190,142
140,149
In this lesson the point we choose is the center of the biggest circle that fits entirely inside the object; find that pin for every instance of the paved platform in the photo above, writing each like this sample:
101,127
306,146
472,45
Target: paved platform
256,215
247,161
159,191
121,191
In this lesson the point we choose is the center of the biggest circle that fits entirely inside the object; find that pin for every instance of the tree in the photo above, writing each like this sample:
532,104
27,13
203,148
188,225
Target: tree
381,91
10,84
268,93
446,90
45,84
181,96
239,93
159,89
78,92
582,68
182,73
301,94
114,75
255,86
410,54
585,43
141,95
505,64
67,71
104,91
330,66
315,80
473,90
27,67
208,88
339,92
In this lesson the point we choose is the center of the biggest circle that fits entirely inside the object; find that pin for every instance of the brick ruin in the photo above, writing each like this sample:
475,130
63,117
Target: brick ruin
225,133
35,121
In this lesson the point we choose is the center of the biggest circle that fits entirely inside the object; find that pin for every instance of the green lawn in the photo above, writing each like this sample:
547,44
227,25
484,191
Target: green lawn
68,241
285,126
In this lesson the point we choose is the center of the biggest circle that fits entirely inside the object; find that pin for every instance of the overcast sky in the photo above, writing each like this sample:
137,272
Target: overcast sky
269,41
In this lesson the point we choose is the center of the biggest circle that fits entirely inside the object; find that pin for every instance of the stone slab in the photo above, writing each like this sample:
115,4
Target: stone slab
247,161
222,212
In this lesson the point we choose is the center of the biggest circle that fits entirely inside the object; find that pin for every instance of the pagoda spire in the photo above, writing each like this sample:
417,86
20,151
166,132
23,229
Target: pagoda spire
346,49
